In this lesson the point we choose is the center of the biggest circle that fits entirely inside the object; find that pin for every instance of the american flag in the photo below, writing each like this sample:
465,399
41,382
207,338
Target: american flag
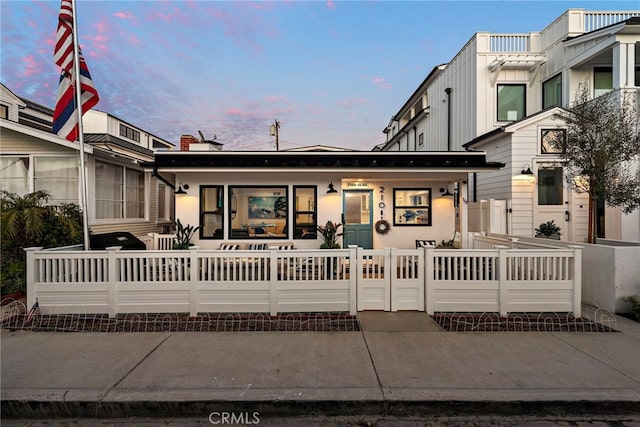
65,117
35,310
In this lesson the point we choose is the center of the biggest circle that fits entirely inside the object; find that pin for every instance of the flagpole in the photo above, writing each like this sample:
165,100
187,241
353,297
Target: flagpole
78,97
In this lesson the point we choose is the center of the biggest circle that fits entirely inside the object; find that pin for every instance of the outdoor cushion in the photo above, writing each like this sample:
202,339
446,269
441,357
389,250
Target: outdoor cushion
229,246
257,246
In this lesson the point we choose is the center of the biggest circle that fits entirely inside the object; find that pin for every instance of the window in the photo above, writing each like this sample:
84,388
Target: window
305,220
411,206
552,92
421,140
552,141
129,133
4,111
550,186
602,80
511,102
14,174
258,212
211,209
119,192
58,176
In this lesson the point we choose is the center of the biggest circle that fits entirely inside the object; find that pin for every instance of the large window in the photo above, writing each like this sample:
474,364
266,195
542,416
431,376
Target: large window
211,209
552,92
304,214
602,80
258,212
411,206
550,185
511,102
56,175
119,192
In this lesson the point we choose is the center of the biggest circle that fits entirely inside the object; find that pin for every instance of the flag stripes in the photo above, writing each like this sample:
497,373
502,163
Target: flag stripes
65,117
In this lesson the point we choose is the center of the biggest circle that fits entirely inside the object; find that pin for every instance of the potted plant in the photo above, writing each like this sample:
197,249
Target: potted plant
548,230
183,233
330,235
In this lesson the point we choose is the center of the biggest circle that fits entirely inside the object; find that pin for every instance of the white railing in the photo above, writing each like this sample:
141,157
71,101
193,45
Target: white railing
509,43
596,20
497,242
117,281
160,242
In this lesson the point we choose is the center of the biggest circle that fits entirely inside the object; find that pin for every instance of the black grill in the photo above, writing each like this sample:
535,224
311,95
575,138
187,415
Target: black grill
119,238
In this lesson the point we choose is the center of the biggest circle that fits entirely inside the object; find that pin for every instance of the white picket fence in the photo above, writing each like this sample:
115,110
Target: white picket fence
196,281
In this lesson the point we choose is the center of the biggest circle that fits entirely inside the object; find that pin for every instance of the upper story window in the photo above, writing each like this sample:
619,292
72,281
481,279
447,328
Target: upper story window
552,141
552,92
511,102
129,133
4,111
119,192
411,206
602,80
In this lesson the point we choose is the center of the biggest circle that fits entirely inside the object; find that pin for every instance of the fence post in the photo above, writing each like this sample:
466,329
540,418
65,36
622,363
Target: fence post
194,280
428,280
353,280
502,280
356,270
577,280
273,282
31,275
112,279
387,279
514,242
154,240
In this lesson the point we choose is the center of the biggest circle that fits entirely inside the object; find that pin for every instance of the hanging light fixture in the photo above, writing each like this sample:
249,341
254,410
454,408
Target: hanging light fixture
525,175
331,189
181,189
445,192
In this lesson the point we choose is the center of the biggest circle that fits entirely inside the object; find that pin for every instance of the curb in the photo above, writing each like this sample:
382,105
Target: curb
17,409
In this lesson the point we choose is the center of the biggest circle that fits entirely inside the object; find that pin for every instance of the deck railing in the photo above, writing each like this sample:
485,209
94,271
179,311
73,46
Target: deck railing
196,281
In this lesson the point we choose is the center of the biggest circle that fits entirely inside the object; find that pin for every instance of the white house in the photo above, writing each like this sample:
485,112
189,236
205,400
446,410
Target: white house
282,196
497,95
122,196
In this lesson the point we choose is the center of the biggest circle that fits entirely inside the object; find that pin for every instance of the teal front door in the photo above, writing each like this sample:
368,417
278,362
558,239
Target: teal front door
358,218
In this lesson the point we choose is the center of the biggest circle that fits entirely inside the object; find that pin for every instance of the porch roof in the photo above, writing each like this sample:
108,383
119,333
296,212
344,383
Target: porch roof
463,161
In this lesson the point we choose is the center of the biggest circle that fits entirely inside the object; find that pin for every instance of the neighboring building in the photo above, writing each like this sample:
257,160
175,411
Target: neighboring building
121,195
498,93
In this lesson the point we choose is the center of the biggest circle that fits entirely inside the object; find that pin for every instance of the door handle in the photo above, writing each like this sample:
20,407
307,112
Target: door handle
567,216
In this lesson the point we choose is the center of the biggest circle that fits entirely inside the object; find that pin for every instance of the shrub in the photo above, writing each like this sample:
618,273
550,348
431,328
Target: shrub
634,300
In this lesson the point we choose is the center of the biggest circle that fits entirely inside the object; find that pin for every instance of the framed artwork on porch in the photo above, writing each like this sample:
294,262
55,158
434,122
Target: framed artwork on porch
267,207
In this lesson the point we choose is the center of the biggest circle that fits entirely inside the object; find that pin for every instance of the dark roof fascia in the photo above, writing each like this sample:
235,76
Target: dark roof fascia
104,138
323,160
37,107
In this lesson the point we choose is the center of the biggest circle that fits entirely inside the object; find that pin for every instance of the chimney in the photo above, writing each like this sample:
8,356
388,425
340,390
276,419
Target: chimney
185,140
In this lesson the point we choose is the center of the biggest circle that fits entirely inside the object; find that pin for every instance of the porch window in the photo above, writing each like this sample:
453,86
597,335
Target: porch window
258,212
14,174
602,80
511,102
550,186
119,192
552,92
411,206
211,209
304,215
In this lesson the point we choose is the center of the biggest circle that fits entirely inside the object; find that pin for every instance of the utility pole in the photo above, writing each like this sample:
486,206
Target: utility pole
275,131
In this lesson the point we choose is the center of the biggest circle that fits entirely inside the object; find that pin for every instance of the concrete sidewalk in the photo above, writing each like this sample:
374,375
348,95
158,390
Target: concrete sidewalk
399,364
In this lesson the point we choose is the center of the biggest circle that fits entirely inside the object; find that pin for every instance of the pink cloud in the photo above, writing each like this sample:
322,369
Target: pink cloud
350,103
379,82
31,66
331,4
125,15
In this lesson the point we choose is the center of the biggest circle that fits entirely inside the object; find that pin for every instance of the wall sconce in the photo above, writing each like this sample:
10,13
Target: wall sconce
331,189
526,175
181,189
446,192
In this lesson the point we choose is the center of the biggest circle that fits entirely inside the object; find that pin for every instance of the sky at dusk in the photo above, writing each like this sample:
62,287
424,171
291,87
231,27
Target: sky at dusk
331,72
